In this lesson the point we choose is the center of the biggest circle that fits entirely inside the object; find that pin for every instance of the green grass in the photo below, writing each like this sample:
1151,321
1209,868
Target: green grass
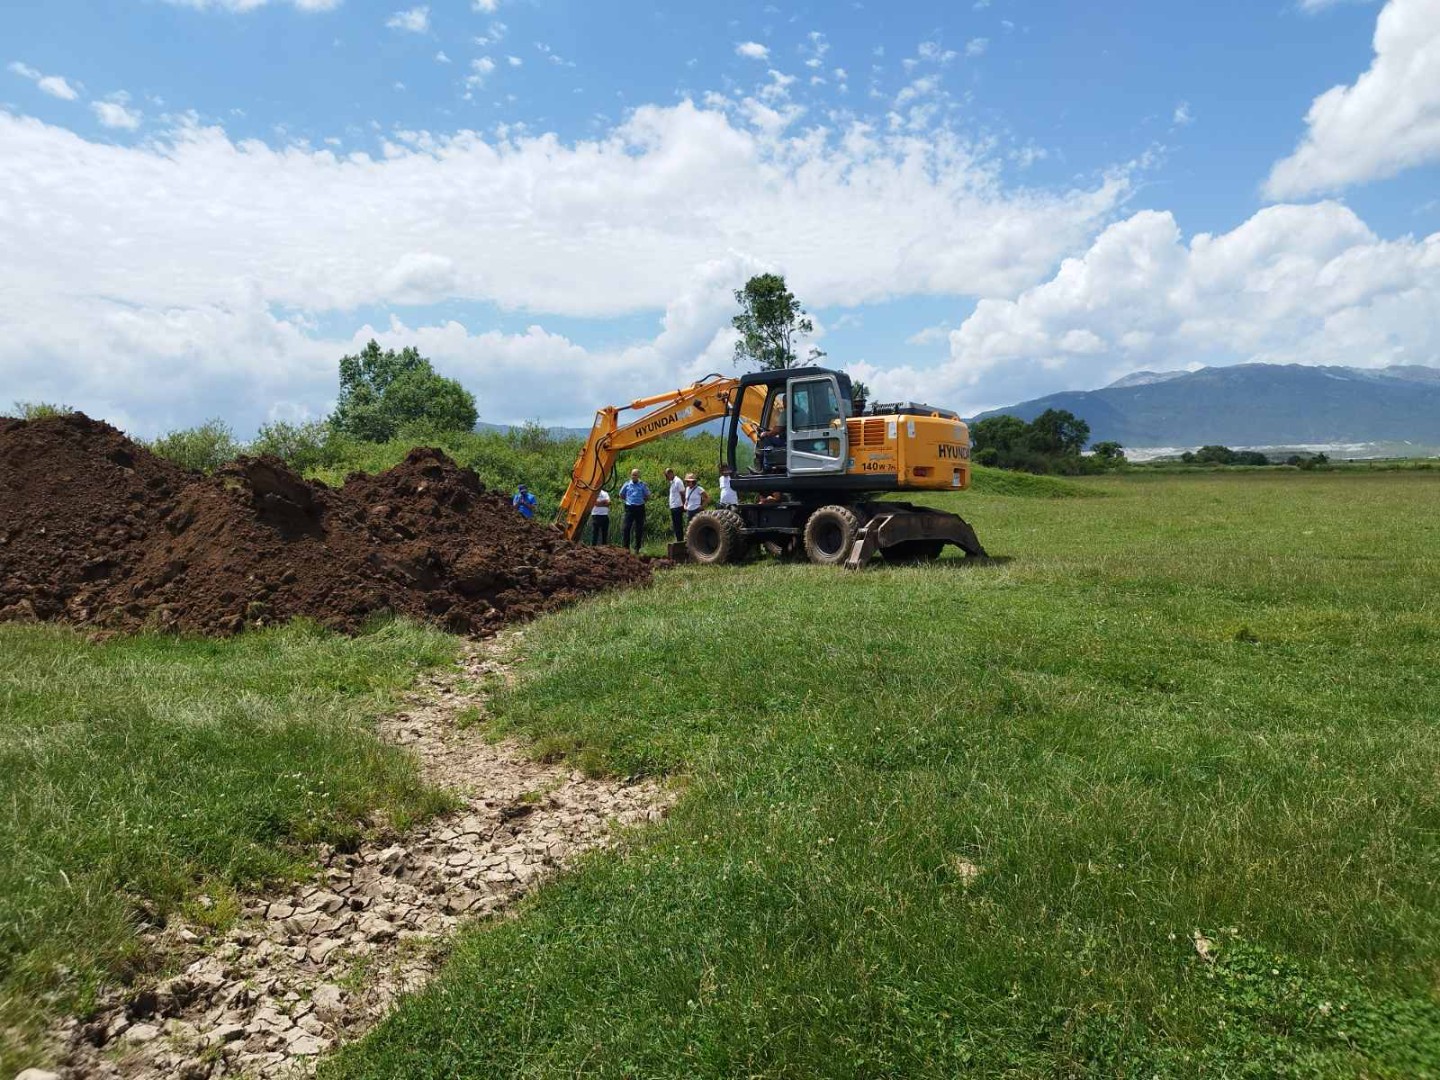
139,772
1205,703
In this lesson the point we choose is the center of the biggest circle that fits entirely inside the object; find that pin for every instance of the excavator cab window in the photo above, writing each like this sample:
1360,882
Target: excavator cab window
770,447
816,436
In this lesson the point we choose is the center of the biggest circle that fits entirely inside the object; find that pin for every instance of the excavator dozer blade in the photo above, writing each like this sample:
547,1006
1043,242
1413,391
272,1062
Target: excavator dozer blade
900,526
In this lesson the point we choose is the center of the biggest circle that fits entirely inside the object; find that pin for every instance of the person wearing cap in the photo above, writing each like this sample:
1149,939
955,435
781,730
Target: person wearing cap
635,493
728,495
524,501
600,518
677,504
696,498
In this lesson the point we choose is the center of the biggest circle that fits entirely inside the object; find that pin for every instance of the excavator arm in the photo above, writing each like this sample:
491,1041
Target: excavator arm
709,399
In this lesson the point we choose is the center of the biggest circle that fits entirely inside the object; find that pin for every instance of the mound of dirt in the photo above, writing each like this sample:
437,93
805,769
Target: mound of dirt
96,530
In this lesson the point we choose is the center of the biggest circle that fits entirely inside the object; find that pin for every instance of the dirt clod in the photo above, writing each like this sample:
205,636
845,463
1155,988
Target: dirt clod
98,531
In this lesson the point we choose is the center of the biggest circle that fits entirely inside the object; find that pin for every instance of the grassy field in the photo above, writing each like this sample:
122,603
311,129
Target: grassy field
969,820
139,773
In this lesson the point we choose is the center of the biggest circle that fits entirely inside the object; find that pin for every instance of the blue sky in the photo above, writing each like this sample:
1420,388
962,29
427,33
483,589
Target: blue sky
203,203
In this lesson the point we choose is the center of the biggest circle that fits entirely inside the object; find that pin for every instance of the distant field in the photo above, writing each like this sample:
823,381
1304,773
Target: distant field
139,773
969,820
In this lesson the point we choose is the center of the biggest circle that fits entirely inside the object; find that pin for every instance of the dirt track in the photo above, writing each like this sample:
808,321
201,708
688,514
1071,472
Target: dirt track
305,971
95,530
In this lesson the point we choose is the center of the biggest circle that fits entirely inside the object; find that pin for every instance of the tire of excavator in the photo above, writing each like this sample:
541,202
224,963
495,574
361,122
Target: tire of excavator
830,534
714,537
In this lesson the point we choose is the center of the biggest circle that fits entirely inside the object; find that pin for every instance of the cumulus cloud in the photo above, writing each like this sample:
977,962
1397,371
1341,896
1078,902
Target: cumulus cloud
54,85
752,50
414,20
116,114
232,250
487,6
1293,284
1387,121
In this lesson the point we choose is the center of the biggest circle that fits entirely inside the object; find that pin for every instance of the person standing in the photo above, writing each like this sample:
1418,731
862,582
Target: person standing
696,497
728,495
634,494
524,501
600,518
677,504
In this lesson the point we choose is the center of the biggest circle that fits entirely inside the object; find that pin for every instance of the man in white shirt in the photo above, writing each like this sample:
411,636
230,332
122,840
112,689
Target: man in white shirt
728,495
696,498
677,505
600,518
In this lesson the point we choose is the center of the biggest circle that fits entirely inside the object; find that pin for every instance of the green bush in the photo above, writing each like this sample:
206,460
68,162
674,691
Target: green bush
203,449
38,410
304,447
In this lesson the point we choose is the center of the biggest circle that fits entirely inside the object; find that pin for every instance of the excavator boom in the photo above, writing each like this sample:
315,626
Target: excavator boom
662,414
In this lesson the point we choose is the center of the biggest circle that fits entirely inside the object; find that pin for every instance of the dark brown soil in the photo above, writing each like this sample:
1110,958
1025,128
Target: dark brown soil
97,531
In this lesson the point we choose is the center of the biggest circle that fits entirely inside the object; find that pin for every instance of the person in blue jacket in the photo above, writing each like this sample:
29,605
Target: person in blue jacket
524,501
634,494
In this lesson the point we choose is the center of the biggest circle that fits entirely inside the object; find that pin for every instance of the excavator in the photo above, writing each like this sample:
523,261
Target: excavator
821,463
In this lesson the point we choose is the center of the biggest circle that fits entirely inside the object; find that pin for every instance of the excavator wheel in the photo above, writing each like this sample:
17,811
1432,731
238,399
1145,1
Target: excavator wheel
829,535
714,537
913,551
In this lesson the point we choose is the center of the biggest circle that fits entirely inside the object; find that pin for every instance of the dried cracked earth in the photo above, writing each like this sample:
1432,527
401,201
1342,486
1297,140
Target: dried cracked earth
301,972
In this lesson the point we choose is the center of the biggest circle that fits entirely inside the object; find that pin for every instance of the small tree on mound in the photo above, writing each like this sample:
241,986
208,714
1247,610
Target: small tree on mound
383,390
770,318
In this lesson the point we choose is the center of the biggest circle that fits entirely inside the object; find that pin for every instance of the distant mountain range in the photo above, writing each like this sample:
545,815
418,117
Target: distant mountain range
1256,405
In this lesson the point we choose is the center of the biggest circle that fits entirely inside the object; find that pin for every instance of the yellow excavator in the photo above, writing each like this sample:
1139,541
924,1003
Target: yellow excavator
821,461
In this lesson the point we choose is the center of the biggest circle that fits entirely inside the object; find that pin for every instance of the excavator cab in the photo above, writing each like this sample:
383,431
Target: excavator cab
802,424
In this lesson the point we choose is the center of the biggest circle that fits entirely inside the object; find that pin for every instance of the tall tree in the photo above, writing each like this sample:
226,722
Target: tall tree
770,318
1058,432
381,390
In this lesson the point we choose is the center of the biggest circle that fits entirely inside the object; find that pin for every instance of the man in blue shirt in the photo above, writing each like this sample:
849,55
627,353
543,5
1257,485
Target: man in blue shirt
524,501
634,495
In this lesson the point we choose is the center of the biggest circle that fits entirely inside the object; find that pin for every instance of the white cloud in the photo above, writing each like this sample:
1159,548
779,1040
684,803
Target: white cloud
1293,284
204,295
116,114
441,58
514,61
752,50
1182,115
414,20
977,46
487,6
1387,121
54,85
933,52
480,70
778,88
1313,6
